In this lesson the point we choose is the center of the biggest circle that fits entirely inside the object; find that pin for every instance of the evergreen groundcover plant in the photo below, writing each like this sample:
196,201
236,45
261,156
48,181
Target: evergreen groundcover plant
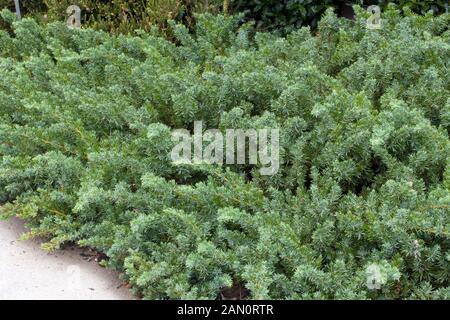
364,183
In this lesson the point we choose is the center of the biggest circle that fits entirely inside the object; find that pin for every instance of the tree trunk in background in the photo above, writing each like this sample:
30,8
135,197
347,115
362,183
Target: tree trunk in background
226,6
17,5
346,11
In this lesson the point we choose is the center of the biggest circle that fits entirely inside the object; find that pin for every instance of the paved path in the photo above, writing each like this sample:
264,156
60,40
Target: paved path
27,272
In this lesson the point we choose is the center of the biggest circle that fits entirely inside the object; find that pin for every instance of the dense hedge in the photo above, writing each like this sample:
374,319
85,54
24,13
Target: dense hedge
127,15
287,15
364,116
121,16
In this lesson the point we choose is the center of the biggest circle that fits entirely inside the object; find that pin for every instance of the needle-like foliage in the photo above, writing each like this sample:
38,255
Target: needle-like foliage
364,181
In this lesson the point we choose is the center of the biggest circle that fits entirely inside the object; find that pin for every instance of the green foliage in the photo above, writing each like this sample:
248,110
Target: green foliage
125,16
364,118
285,15
25,6
288,15
119,16
418,6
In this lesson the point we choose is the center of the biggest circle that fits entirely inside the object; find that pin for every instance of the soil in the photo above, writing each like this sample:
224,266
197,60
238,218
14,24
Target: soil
29,273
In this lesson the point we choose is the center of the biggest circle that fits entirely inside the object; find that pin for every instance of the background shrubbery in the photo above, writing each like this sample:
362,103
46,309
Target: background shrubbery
120,15
125,16
286,15
364,116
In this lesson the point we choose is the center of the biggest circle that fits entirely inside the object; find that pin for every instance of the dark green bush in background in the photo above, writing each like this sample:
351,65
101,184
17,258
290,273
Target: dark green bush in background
290,14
